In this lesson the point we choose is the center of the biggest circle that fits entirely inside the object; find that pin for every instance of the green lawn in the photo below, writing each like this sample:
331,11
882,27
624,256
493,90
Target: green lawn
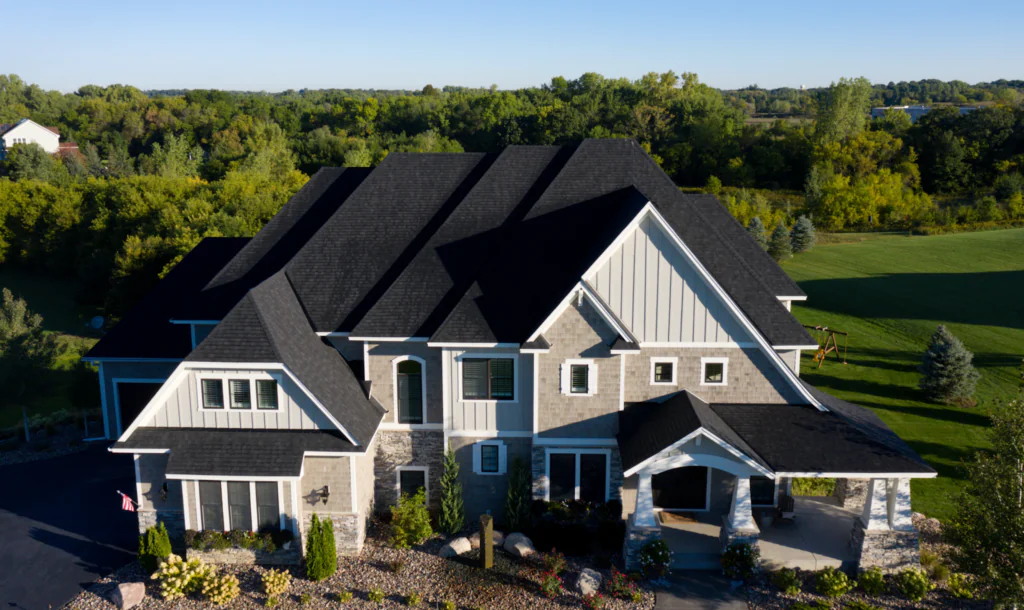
890,293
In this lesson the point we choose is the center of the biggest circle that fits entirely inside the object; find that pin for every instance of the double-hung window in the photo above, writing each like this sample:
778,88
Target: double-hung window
239,394
488,379
409,382
235,505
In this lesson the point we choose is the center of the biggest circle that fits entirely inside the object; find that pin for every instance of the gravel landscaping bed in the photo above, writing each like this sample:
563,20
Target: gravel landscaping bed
65,441
513,584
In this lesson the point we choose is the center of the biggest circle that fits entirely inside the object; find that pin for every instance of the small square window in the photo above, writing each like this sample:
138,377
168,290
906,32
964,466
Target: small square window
213,394
713,372
489,458
663,372
579,375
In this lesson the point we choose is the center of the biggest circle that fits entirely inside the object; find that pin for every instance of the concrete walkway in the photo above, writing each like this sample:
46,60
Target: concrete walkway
698,590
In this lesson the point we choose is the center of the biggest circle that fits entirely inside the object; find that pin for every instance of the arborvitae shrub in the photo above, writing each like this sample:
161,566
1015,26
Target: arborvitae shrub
154,545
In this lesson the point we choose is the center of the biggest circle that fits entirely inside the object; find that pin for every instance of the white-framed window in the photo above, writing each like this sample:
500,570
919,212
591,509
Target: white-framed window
714,371
409,479
664,370
490,458
239,505
240,391
763,491
409,384
578,378
577,474
488,377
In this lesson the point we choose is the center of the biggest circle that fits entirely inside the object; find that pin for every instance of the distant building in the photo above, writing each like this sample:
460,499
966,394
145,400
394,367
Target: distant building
27,131
915,112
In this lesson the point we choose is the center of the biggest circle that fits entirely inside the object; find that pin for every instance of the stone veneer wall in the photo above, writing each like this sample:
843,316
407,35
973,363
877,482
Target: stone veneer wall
173,520
636,538
406,448
890,550
540,479
851,493
233,556
349,531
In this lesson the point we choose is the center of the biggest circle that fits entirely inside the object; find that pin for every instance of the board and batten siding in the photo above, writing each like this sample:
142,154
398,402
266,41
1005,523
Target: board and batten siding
659,295
491,416
182,409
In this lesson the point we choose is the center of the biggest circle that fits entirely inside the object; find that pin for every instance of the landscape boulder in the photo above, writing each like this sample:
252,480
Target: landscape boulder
455,547
589,581
127,594
519,545
499,539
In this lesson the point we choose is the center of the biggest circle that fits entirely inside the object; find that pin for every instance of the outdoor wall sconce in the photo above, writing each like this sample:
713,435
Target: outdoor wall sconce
163,492
325,493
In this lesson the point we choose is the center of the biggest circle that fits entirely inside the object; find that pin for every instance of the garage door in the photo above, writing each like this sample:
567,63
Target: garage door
132,397
681,488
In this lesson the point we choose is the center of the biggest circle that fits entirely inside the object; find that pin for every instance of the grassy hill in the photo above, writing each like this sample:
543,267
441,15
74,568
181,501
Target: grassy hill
890,293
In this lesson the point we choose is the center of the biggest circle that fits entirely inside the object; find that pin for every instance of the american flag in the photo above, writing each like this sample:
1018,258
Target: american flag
127,503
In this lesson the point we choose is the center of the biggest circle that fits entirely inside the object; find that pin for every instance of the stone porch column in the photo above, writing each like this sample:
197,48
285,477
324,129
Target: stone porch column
739,526
642,526
883,535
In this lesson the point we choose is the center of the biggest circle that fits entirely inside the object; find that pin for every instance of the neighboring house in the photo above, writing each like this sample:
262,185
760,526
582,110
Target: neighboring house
564,306
27,131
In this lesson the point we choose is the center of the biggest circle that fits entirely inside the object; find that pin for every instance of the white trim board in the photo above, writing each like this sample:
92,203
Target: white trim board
858,475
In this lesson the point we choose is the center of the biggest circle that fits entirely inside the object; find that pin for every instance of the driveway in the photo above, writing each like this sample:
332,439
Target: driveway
62,526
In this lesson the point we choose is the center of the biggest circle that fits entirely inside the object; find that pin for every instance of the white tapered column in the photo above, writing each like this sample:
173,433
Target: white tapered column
741,515
645,503
876,506
899,505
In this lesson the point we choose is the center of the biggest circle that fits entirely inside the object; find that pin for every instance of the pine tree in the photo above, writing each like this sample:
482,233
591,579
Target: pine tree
779,247
453,516
947,369
154,545
802,237
756,229
517,503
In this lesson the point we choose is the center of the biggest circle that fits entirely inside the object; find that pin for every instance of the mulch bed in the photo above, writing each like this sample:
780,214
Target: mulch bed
513,584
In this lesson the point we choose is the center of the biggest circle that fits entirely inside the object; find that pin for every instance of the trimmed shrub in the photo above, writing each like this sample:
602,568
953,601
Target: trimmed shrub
832,583
321,554
517,501
778,246
913,584
960,586
154,546
220,589
787,581
740,560
872,581
453,513
655,558
375,595
410,521
948,370
343,597
178,577
276,582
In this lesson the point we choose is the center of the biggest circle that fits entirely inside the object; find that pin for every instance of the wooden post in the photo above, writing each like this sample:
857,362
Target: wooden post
486,542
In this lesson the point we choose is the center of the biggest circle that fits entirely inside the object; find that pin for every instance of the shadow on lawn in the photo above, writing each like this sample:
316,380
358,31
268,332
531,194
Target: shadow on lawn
966,298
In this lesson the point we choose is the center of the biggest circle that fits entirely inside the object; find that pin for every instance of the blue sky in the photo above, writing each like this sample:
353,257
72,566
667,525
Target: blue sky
273,46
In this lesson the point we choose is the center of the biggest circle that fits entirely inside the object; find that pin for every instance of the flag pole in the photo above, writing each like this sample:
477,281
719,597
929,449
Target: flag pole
124,495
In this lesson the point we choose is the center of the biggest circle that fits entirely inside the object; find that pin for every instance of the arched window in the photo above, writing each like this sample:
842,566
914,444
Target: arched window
409,390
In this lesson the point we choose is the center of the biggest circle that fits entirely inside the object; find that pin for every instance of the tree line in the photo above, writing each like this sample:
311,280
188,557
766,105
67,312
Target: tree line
158,171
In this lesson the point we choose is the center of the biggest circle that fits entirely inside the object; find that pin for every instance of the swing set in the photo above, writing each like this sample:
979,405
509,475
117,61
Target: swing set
827,342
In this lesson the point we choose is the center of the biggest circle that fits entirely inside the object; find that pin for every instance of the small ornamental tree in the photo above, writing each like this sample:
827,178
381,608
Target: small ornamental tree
987,531
517,503
410,521
947,369
802,236
756,229
778,246
453,514
154,545
321,554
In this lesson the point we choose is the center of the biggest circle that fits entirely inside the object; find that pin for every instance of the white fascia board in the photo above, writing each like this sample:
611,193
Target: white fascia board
156,401
390,339
240,366
330,453
775,359
624,352
792,347
219,477
656,456
575,442
784,298
176,321
858,475
332,334
140,451
471,345
611,319
534,351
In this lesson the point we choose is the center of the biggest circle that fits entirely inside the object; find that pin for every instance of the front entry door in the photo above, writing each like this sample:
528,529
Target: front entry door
681,488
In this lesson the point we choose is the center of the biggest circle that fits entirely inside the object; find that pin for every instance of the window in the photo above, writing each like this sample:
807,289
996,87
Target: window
489,458
239,394
762,491
488,379
714,371
239,506
579,378
578,475
213,394
211,504
268,512
663,370
266,394
409,385
411,479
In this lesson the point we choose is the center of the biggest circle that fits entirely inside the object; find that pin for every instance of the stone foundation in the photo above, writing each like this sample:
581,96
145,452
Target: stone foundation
851,493
349,532
636,538
890,550
281,557
402,448
173,520
729,537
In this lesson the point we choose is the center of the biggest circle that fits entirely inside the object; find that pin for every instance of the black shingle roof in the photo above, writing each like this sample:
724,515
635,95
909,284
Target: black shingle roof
221,452
268,325
145,331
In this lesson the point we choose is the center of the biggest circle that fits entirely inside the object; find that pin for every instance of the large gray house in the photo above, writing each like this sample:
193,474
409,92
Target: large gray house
566,306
